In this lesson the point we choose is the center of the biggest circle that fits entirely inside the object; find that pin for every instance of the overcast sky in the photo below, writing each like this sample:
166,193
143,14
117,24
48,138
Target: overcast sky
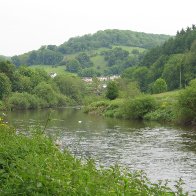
28,24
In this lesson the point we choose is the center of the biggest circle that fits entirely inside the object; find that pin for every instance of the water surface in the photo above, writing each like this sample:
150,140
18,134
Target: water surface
162,151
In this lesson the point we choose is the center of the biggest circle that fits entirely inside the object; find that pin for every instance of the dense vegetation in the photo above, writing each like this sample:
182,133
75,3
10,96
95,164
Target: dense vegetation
26,88
176,106
33,165
108,38
174,62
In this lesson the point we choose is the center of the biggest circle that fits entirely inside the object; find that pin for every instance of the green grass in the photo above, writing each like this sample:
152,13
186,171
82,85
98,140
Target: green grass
99,63
170,96
33,165
130,49
53,69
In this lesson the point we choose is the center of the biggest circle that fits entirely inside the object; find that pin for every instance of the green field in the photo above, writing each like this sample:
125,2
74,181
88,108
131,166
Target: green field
53,69
169,97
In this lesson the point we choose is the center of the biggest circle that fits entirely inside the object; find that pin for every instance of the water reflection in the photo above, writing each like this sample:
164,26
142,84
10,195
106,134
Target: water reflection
163,152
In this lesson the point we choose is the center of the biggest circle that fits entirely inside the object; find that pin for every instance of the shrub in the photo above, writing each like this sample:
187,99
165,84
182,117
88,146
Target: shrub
159,86
137,108
112,90
24,101
63,100
46,92
161,114
69,86
187,104
97,107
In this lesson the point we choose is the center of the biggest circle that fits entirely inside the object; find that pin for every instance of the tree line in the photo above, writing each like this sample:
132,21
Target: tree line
25,88
174,62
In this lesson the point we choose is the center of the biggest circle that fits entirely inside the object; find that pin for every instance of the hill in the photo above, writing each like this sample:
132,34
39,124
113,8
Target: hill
90,44
109,38
89,52
4,58
174,62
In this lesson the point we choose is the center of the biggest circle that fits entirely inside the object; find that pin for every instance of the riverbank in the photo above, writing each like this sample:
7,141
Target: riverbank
34,165
160,107
177,107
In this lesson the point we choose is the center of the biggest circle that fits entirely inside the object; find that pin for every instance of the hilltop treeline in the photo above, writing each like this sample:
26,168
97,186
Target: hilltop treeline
108,38
174,62
52,54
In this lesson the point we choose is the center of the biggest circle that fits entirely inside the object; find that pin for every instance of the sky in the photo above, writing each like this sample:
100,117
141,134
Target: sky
28,24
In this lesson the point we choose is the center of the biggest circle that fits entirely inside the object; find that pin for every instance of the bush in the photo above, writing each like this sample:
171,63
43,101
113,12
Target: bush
137,108
63,100
72,87
161,114
24,101
112,90
187,104
46,92
97,107
159,86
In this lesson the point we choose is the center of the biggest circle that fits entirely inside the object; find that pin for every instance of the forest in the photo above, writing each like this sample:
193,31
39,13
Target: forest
174,62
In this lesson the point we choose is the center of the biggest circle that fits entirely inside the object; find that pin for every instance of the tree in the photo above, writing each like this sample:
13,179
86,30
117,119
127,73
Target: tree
88,72
8,69
46,92
112,90
84,60
73,65
187,103
138,74
5,86
159,86
173,71
72,87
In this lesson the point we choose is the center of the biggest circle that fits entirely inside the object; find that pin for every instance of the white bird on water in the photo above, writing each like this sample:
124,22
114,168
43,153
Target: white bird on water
79,121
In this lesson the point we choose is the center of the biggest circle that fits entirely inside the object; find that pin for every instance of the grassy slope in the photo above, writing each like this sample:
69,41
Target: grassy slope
99,62
170,97
95,55
53,69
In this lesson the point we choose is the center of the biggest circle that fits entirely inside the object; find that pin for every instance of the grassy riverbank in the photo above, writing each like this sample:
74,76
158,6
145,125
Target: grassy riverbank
175,106
147,107
33,165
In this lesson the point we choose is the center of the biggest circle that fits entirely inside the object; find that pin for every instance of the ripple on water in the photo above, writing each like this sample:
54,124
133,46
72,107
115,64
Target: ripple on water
162,152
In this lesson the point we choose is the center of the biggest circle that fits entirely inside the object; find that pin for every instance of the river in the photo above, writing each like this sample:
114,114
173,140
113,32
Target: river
162,151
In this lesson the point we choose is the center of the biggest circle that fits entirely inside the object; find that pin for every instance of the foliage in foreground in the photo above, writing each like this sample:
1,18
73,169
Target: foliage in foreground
33,165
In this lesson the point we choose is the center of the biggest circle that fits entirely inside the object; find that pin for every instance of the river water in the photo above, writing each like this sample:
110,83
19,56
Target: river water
162,151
